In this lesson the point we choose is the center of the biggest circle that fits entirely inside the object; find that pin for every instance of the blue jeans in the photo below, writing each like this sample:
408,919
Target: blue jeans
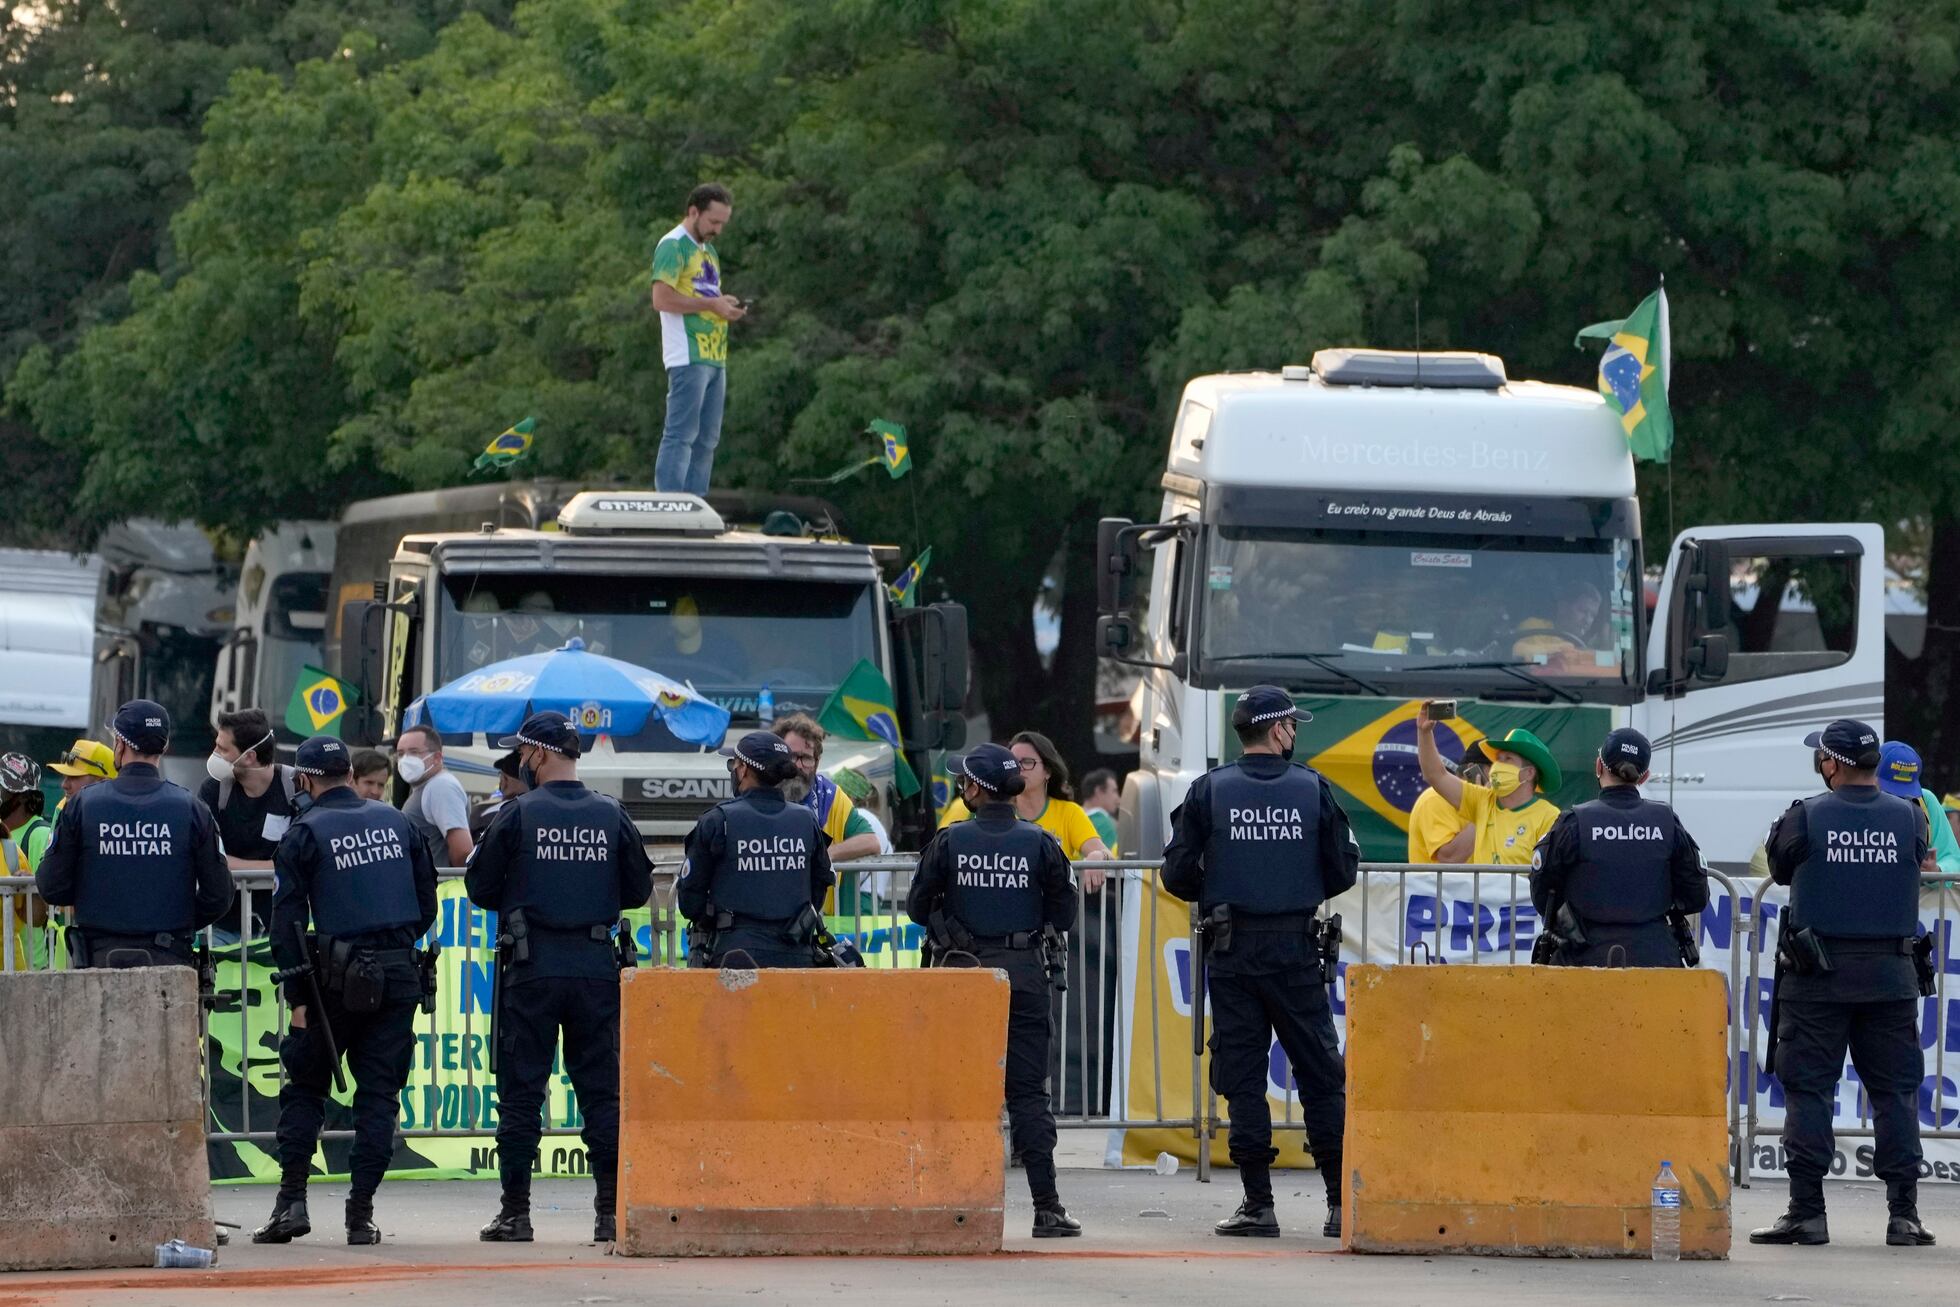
695,395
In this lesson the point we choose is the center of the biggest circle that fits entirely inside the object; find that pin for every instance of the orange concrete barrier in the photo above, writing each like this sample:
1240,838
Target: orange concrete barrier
1525,1110
833,1111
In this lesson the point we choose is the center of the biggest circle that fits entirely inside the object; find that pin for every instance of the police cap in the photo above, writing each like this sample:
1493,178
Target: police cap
545,730
1627,745
764,753
1263,704
322,755
143,725
992,767
1850,742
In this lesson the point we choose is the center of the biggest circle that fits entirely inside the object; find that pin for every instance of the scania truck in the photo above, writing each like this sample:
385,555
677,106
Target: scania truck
1382,528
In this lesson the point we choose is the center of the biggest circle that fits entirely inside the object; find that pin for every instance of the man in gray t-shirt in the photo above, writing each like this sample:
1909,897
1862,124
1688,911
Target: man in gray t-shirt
437,806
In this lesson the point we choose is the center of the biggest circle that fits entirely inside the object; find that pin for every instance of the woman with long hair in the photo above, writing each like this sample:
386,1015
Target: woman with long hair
1048,800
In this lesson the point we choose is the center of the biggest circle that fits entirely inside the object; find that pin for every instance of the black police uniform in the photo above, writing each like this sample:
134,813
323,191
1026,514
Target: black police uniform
357,867
996,881
138,859
754,862
1621,863
1265,836
1851,858
558,864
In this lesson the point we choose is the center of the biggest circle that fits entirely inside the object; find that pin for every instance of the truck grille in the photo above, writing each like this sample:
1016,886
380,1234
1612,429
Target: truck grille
687,810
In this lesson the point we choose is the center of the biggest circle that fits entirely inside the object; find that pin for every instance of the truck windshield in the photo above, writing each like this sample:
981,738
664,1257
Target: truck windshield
1410,613
177,670
726,637
295,619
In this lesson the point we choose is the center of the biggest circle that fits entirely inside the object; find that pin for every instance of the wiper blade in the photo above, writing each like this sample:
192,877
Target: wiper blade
1322,661
1509,669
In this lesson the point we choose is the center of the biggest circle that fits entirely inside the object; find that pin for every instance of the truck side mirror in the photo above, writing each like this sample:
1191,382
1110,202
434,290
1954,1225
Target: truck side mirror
1115,636
1709,659
364,618
1117,553
930,651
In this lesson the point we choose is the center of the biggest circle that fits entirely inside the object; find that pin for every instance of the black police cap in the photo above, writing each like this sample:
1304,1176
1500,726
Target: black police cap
546,730
322,755
1627,745
1264,704
143,725
992,767
1849,741
764,753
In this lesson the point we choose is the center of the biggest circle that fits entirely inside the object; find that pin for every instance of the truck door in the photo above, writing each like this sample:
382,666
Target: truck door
1761,635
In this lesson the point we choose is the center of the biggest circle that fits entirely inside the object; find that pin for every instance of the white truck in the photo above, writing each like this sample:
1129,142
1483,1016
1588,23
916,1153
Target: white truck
1382,528
661,581
47,648
280,627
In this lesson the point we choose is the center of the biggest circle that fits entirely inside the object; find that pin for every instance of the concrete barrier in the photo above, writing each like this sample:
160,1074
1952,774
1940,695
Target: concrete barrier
834,1111
101,1118
1525,1110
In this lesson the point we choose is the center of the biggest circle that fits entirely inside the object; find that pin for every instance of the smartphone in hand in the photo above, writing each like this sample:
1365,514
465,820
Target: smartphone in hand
1439,710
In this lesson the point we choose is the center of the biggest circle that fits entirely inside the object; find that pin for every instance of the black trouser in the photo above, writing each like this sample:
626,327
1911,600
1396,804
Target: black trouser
1031,1123
1247,1011
534,1012
115,951
1883,1039
378,1046
765,946
1617,944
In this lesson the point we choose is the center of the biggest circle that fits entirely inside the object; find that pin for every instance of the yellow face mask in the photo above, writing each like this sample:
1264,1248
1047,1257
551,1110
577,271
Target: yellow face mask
1505,777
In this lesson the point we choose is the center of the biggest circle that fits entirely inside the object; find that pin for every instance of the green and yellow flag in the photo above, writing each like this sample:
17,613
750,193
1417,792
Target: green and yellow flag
507,448
319,702
905,591
864,708
893,449
1633,375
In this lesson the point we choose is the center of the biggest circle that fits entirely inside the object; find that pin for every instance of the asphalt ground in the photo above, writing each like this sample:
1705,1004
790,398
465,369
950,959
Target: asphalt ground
1147,1240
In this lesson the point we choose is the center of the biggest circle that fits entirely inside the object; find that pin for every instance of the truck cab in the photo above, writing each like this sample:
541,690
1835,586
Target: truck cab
1382,528
280,627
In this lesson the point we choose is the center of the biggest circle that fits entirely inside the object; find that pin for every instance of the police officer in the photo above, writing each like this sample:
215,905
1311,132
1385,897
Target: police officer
359,870
1260,842
1609,872
558,865
757,866
1851,859
137,857
988,887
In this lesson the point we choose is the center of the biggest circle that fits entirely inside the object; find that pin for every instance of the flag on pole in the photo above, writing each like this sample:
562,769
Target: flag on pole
319,702
1634,374
905,591
506,448
893,449
864,708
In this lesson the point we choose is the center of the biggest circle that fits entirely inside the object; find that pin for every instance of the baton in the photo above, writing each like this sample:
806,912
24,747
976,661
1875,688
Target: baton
325,1027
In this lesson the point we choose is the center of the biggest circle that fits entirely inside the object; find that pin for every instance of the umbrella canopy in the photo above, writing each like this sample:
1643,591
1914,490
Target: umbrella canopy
598,693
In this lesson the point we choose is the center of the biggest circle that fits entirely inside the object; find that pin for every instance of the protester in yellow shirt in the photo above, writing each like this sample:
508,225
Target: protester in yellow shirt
1508,815
1048,801
1436,832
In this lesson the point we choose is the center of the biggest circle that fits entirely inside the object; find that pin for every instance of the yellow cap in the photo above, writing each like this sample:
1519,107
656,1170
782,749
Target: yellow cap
88,758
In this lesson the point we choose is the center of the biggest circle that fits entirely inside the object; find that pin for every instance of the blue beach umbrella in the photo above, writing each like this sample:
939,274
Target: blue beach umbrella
599,694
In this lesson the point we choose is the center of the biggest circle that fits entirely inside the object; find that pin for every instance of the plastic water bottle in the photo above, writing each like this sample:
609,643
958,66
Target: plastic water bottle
765,707
178,1253
1667,1215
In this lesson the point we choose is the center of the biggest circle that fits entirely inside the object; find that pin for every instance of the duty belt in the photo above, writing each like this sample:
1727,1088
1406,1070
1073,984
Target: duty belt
725,920
1019,939
1849,946
599,933
1278,923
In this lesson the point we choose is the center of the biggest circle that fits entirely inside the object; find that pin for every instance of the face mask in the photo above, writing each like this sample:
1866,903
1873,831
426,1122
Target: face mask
411,768
1505,777
1287,752
527,774
218,769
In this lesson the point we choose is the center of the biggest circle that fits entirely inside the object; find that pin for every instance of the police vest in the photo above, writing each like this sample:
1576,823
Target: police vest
1860,880
137,877
994,875
362,877
566,874
764,870
1263,856
1622,874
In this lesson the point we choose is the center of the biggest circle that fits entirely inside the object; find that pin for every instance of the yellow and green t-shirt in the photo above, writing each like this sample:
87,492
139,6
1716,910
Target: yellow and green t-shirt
694,270
1432,824
1065,820
1505,836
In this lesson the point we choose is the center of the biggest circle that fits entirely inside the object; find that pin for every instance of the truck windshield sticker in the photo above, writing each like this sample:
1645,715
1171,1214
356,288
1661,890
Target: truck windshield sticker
1221,576
1426,558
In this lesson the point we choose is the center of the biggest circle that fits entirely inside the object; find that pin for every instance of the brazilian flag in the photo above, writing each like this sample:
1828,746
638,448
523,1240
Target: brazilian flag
1634,375
864,708
894,450
905,591
319,702
507,448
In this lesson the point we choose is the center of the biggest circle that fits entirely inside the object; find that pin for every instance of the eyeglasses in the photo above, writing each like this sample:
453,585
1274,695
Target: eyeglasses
800,758
83,760
1027,764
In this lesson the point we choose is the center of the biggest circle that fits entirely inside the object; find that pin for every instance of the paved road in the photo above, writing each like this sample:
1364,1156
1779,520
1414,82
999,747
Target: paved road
431,1259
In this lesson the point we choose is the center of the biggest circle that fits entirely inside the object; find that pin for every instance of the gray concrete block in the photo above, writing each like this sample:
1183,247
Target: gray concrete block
91,1047
102,1151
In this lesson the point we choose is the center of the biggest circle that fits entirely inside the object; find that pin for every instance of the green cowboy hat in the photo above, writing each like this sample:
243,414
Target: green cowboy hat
1532,750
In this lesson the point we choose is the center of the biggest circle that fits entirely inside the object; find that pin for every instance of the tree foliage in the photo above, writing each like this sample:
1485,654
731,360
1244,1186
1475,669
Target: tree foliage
1018,226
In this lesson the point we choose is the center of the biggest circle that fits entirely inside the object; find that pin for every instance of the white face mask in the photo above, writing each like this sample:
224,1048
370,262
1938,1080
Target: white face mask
411,768
218,768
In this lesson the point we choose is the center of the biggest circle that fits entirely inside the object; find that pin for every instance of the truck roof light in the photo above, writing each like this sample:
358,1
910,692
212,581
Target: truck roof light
618,512
1441,370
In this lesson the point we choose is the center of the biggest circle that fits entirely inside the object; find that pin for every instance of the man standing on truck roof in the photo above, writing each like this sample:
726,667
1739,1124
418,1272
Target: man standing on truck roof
1510,815
694,318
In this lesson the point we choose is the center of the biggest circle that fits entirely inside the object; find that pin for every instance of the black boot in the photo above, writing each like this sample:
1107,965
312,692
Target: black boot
361,1228
1907,1232
507,1227
288,1222
605,1228
1331,1228
1253,1220
1052,1221
1809,1231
